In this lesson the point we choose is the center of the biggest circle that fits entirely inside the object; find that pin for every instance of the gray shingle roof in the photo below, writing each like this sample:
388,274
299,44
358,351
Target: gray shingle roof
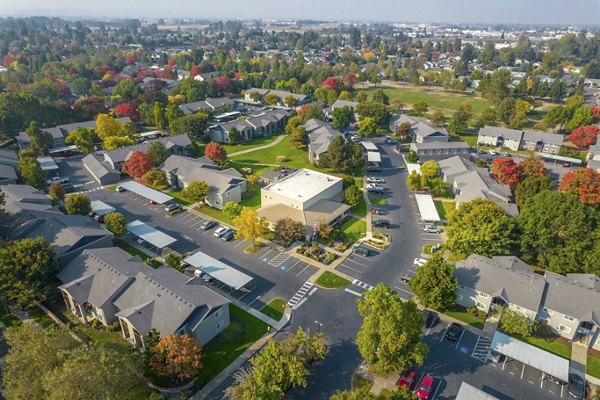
8,157
344,103
97,168
546,138
506,133
7,172
122,153
576,295
62,131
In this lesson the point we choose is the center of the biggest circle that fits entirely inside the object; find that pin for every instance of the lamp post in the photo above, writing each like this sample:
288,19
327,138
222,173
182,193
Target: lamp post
319,326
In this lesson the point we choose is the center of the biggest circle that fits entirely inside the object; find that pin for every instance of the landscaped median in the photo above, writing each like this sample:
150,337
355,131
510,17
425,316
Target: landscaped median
329,280
274,309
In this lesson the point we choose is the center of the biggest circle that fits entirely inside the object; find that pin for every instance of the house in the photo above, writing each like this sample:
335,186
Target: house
60,132
9,157
264,123
31,215
282,94
175,144
8,175
207,75
437,148
224,186
542,141
305,196
320,135
470,182
420,131
101,172
210,105
503,280
401,119
593,157
515,139
109,285
339,104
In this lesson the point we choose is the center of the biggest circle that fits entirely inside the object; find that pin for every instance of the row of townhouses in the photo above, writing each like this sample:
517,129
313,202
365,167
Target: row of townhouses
264,123
515,139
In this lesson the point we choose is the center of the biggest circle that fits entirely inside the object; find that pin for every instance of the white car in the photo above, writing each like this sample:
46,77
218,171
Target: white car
53,179
374,179
120,188
493,152
419,262
221,231
432,229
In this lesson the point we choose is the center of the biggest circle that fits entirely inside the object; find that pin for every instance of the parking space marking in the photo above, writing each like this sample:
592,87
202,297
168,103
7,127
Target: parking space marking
264,256
482,348
196,223
459,339
350,268
356,262
279,259
307,265
296,263
353,292
522,371
444,335
404,290
240,243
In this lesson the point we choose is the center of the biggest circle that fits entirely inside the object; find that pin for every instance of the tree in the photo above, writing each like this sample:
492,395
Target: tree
172,115
176,357
367,126
495,86
155,178
78,204
83,138
487,118
114,142
56,191
298,137
115,223
289,101
353,195
195,191
193,125
160,119
531,186
506,171
272,99
235,137
30,170
381,97
157,153
173,260
390,336
250,226
515,323
460,119
413,157
557,116
480,226
403,130
310,111
252,181
429,171
584,183
107,126
137,164
581,117
584,136
127,90
40,141
555,231
232,210
217,154
288,231
81,86
420,107
27,267
532,167
413,181
434,283
342,117
373,109
438,118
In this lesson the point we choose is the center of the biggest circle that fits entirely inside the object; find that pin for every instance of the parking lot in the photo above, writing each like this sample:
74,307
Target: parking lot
452,362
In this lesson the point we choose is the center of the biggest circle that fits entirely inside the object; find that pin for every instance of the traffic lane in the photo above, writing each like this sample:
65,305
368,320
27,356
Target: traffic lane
72,168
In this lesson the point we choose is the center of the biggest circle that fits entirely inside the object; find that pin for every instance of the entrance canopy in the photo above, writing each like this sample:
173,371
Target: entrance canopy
101,208
218,270
369,146
427,208
149,234
145,191
537,358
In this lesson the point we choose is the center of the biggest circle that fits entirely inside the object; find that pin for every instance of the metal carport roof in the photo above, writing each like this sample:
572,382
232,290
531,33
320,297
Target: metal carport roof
149,234
468,392
101,208
373,157
218,270
532,356
369,146
427,208
145,191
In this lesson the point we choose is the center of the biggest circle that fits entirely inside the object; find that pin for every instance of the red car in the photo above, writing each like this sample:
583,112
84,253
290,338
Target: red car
407,379
425,387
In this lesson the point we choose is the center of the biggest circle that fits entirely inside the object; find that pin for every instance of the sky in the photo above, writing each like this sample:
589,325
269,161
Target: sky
561,12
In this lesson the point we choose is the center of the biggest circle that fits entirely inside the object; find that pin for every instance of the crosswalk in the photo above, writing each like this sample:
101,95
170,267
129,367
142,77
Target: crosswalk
363,285
482,347
299,297
91,190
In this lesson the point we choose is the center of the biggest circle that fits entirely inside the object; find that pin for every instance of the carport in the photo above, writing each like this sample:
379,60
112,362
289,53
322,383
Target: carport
148,193
101,208
427,208
547,363
150,235
218,270
47,164
468,392
369,146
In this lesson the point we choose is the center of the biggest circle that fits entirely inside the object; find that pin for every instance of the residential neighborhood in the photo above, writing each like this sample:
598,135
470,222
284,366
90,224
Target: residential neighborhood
285,203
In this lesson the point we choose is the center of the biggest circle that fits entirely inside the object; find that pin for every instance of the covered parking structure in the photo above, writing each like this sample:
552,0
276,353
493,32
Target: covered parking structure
468,392
547,363
369,146
146,192
427,208
150,235
101,208
220,271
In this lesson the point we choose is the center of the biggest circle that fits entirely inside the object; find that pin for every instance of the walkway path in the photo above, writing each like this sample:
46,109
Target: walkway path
266,146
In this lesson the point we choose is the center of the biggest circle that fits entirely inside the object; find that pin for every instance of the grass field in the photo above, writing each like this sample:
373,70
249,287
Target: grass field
7,319
176,194
298,158
215,214
443,208
553,346
330,280
40,317
130,249
462,315
251,199
243,330
274,309
250,144
354,229
593,366
361,209
380,201
436,98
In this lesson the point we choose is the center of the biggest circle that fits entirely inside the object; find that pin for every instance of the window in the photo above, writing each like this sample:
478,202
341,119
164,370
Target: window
217,202
219,326
459,297
462,287
548,311
217,314
564,329
568,318
518,308
480,305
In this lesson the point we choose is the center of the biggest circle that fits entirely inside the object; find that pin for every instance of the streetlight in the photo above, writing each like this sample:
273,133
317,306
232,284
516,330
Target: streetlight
319,326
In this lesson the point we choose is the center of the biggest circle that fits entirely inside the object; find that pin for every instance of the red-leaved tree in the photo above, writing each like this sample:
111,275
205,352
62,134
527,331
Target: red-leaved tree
195,70
126,110
330,81
506,171
595,113
584,183
583,136
217,154
349,80
532,167
222,83
176,356
137,165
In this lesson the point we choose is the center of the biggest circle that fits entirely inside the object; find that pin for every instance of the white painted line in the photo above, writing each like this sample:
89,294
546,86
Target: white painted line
444,335
296,263
504,363
510,372
522,371
356,262
350,268
264,255
240,243
437,387
196,223
405,291
89,182
312,291
187,237
300,303
561,390
353,292
459,339
307,265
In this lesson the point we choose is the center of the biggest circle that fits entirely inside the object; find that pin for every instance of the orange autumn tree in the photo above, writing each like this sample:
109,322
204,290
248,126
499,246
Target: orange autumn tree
176,357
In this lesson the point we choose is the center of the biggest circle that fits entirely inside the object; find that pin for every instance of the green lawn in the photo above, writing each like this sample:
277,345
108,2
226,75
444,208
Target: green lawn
462,315
251,199
298,158
215,214
361,209
243,330
443,208
112,340
274,309
250,144
380,201
330,280
176,194
40,317
456,257
553,346
593,366
112,187
437,99
359,182
470,138
131,249
354,229
8,320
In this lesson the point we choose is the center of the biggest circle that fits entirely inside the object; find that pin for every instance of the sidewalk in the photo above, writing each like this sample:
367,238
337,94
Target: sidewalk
266,146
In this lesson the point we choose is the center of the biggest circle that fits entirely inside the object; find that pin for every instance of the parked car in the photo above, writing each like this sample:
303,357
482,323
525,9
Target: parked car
419,262
425,387
430,318
374,179
432,229
120,188
556,380
206,225
454,331
406,278
493,152
390,140
171,207
375,189
228,236
221,231
377,211
50,181
506,154
152,202
355,138
99,218
480,151
576,386
363,251
495,357
567,164
207,278
407,379
381,223
198,273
